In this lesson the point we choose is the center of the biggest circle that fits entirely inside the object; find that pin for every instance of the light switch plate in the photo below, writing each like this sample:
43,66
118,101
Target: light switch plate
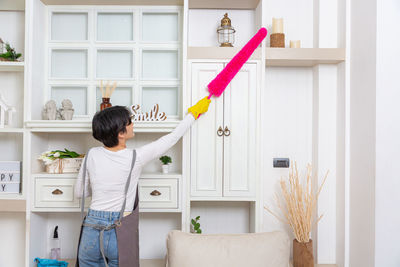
281,162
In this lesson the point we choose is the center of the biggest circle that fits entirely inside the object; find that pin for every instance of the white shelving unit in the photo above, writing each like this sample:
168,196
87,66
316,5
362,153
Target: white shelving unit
148,48
11,66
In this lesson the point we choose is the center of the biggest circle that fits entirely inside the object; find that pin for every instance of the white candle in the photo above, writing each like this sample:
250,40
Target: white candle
295,44
277,25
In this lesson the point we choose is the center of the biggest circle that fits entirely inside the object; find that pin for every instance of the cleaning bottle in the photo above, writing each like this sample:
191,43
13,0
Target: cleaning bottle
55,252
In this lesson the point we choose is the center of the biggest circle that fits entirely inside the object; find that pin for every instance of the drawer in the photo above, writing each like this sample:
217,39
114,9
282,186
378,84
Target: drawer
55,193
158,193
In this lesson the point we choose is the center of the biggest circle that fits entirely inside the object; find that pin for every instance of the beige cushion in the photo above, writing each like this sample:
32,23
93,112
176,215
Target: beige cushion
228,250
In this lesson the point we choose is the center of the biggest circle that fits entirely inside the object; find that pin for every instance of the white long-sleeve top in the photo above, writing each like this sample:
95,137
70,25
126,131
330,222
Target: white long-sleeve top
107,171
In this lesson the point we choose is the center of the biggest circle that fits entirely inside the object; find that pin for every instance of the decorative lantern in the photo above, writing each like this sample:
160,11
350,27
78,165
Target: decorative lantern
226,33
2,46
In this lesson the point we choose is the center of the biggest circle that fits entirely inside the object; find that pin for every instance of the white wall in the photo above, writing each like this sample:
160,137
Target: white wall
387,184
362,133
12,29
12,228
287,129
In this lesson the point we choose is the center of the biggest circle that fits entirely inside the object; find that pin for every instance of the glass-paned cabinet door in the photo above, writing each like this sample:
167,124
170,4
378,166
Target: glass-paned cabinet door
115,27
69,64
160,65
122,96
160,27
77,95
165,97
67,26
114,64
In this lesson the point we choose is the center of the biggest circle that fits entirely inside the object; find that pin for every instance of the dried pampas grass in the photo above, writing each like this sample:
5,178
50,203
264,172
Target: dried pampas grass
299,203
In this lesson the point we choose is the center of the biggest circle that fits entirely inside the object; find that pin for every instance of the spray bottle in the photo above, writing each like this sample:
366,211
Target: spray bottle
55,252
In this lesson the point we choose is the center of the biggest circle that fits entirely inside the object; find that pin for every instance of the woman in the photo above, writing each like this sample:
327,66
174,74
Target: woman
108,170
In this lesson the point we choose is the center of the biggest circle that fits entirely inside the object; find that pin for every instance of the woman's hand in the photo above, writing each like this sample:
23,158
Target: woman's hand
200,107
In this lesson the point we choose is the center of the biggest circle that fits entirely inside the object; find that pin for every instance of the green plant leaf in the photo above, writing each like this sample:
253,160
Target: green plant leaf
197,225
199,231
197,218
193,222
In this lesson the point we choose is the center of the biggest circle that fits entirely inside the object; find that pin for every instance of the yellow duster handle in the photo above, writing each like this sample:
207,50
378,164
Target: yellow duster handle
200,107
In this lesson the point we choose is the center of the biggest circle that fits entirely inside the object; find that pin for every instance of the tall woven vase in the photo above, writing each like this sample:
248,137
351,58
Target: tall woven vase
303,254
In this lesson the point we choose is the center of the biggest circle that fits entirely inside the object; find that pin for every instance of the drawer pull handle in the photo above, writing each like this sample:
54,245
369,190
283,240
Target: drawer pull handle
155,193
57,192
220,132
227,132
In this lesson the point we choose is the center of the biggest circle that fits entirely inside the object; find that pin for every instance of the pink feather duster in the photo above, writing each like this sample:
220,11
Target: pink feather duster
217,86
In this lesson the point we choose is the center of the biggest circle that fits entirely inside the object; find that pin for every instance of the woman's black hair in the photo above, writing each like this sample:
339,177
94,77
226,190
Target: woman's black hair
108,123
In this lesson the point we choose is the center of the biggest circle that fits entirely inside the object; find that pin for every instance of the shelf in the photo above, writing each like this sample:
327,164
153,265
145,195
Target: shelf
115,2
160,175
11,130
143,262
59,125
83,126
303,57
12,205
223,199
12,5
223,4
75,174
11,66
218,53
55,175
277,57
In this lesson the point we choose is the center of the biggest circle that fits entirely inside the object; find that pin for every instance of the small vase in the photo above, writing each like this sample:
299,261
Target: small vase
105,103
165,168
303,254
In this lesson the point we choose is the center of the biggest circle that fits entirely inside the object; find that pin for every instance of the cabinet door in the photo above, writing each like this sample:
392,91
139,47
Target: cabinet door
240,118
206,146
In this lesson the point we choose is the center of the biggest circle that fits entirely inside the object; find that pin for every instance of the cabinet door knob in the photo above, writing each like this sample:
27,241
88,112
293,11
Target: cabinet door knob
227,132
220,132
57,192
155,193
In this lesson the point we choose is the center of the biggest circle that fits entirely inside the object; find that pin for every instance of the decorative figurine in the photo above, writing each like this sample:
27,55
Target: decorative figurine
66,111
5,108
49,111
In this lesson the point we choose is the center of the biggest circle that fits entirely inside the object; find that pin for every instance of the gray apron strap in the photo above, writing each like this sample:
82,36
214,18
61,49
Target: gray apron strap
83,181
102,228
128,182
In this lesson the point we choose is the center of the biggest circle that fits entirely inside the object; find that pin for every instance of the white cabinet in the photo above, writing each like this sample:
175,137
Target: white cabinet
223,142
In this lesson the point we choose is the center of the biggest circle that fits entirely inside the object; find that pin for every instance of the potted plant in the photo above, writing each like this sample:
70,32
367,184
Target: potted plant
195,226
58,161
166,160
10,54
298,209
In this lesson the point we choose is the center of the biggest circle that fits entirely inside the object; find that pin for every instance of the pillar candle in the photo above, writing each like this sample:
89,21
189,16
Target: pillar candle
277,25
295,44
